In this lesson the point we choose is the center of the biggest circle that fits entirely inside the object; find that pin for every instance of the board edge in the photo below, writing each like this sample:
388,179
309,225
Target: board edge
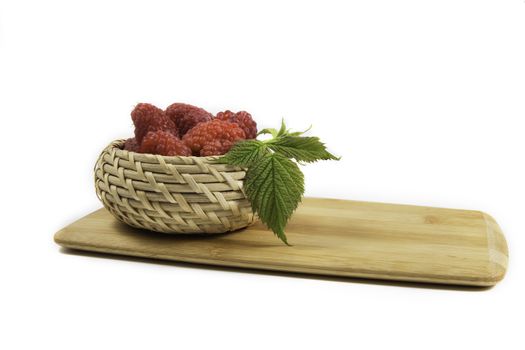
497,249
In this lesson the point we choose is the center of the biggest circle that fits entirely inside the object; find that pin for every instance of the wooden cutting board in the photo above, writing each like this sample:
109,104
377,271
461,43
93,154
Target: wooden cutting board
328,237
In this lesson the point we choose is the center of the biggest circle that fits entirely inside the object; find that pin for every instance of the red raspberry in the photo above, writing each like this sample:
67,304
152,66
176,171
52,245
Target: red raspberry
216,148
215,130
147,117
131,145
187,116
164,143
243,118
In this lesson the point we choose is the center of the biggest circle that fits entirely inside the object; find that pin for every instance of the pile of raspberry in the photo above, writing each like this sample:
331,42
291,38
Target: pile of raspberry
186,130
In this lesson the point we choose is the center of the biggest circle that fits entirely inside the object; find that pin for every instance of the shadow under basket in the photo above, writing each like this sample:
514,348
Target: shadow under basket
172,194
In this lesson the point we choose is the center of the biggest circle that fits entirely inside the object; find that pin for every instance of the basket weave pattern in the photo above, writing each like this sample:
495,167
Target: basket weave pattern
172,194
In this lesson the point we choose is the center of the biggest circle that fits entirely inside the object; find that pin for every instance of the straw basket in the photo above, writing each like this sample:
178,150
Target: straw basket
172,194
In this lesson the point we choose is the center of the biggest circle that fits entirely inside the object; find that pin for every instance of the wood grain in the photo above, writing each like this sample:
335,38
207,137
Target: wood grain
329,237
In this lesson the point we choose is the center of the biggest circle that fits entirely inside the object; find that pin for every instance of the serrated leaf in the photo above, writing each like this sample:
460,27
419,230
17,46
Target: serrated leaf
245,153
301,148
274,185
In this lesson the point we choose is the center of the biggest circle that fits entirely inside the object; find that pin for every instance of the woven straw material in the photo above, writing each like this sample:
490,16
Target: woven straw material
172,194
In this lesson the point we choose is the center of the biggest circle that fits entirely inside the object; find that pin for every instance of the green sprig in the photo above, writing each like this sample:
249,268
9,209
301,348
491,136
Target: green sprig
274,184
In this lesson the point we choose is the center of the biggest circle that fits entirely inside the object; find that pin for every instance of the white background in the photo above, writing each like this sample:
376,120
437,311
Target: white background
425,101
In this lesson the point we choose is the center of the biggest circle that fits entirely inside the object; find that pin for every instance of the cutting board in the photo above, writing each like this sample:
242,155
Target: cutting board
328,237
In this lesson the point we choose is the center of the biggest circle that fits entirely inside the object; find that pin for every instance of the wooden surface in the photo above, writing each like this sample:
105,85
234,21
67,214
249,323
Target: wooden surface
329,237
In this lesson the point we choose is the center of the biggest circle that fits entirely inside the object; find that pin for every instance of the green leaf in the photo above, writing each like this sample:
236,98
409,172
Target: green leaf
274,185
282,130
270,131
245,153
303,149
299,133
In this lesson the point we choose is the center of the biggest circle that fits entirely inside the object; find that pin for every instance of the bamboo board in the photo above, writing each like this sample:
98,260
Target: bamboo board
328,237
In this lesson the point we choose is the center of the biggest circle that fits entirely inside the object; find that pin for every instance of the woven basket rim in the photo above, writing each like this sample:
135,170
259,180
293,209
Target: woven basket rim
117,144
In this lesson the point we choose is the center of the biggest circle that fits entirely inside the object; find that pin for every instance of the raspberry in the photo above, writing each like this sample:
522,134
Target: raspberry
215,130
243,118
164,143
216,148
131,145
187,116
147,117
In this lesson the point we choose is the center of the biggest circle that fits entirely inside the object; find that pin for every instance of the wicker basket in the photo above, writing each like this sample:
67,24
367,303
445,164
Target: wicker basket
172,194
